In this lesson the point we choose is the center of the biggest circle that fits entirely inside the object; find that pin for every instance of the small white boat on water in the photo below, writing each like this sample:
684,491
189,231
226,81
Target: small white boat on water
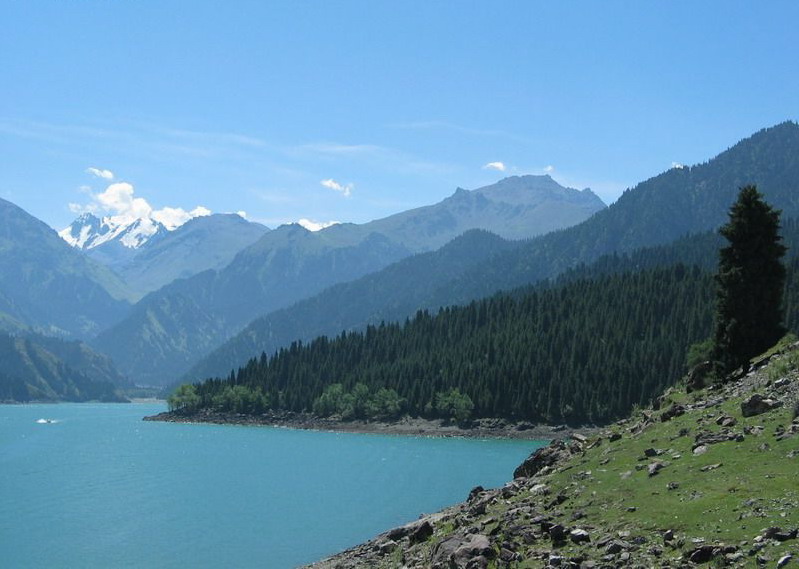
45,421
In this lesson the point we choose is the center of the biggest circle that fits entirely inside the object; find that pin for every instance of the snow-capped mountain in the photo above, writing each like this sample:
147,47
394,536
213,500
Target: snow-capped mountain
88,232
113,241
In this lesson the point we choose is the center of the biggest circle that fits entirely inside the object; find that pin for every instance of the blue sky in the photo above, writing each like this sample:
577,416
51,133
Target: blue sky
250,106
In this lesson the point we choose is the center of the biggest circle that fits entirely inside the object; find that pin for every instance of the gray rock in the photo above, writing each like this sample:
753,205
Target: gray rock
703,553
544,457
784,560
421,533
579,536
757,405
673,411
655,467
469,552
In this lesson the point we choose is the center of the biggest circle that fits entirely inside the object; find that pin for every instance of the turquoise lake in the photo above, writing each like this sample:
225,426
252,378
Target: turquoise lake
99,487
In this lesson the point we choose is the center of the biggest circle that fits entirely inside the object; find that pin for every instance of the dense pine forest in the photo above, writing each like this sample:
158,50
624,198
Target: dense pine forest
583,351
584,348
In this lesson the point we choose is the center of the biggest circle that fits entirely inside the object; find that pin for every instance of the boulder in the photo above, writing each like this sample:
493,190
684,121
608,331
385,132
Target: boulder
673,411
757,405
544,457
579,536
421,532
703,553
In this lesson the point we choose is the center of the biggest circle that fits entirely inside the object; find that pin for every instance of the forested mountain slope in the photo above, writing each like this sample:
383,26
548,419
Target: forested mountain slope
47,286
679,202
173,327
37,368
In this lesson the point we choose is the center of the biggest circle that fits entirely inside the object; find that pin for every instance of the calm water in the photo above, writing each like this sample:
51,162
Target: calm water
101,488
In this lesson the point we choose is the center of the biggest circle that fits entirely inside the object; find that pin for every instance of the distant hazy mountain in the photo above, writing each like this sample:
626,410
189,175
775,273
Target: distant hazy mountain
171,328
517,207
676,203
48,369
148,255
47,286
200,244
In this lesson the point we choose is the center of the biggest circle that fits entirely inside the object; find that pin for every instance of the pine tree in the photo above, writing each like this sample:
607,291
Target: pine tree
750,282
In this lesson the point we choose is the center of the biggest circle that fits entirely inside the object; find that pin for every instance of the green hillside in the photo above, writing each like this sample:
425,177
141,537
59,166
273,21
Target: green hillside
704,479
47,369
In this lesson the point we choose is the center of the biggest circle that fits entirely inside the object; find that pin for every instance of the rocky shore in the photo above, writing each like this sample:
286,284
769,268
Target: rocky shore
409,426
706,478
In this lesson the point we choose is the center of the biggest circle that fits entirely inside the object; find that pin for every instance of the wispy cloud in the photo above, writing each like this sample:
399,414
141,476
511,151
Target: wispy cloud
100,173
142,135
499,166
677,165
344,190
460,129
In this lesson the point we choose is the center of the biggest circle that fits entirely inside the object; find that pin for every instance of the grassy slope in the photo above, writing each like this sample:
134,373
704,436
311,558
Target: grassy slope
609,492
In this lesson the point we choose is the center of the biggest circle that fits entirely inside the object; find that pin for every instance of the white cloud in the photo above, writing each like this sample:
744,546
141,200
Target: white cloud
344,190
118,199
119,203
499,166
173,217
316,225
242,214
549,169
677,165
101,173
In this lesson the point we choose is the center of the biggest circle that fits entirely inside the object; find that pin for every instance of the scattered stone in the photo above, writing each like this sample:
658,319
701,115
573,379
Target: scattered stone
468,554
726,421
476,491
655,467
703,553
579,536
540,490
784,560
386,547
672,486
757,405
421,533
557,533
779,534
582,439
780,383
707,438
710,467
651,452
631,508
668,535
673,411
614,437
544,457
701,449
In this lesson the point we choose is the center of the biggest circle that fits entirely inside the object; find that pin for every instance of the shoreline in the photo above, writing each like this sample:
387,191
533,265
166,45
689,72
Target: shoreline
408,426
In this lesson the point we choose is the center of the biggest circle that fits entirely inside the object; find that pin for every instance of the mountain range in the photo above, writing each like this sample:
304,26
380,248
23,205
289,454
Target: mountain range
677,203
208,295
147,255
170,329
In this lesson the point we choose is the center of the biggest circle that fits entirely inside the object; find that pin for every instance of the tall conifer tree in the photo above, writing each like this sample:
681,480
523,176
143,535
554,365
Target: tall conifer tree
750,282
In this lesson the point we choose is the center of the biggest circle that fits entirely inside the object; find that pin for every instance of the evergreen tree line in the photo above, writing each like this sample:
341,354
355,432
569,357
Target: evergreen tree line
584,351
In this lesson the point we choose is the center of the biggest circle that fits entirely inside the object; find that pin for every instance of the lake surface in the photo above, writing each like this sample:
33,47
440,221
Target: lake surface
99,487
